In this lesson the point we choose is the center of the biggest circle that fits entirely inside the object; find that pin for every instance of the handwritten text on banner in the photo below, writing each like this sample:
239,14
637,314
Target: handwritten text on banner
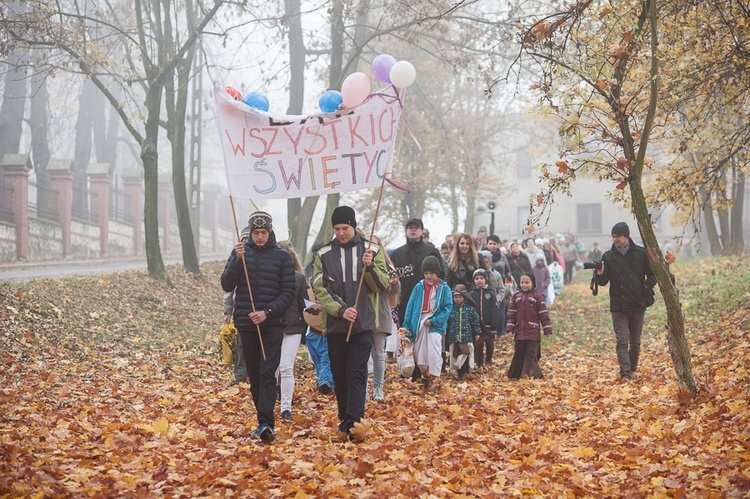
271,156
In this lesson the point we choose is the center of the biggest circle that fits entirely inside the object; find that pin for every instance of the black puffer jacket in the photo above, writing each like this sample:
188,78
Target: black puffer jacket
629,276
272,280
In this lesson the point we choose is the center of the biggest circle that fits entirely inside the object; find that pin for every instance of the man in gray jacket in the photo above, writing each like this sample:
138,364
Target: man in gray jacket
338,269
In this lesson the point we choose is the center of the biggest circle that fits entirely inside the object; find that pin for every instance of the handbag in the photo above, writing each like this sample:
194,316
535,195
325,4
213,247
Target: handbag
405,357
228,344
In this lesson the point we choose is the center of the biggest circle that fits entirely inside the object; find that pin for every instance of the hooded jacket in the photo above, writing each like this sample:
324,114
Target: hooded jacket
337,271
439,318
271,273
629,276
528,316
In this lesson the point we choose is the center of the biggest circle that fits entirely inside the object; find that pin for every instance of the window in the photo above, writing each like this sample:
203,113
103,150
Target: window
589,218
523,165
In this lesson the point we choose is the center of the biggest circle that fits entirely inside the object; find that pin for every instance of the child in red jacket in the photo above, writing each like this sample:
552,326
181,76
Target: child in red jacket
527,316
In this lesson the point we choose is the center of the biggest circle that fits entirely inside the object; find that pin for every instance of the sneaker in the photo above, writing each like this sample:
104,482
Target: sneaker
325,388
461,376
286,415
266,434
378,394
235,382
255,433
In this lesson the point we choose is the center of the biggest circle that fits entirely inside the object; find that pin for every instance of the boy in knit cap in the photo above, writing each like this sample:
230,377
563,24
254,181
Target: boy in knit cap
260,267
426,319
348,307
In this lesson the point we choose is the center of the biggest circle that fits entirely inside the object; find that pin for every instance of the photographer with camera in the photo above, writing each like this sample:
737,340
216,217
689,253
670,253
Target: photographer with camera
626,269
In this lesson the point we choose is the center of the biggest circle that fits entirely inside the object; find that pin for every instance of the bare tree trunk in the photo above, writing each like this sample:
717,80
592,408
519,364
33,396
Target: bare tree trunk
176,106
296,95
679,349
454,209
38,122
737,240
83,142
708,218
150,158
12,110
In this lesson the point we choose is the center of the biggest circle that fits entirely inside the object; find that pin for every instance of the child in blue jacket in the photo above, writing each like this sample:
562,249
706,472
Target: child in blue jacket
426,319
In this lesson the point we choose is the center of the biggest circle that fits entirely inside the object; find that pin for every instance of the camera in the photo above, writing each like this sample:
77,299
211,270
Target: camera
596,264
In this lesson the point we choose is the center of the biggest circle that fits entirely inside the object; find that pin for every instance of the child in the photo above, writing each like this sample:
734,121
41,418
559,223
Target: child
541,276
426,318
527,316
489,314
463,330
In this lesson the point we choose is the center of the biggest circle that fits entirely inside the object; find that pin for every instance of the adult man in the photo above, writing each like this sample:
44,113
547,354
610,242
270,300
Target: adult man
271,273
481,238
339,268
499,261
412,253
626,268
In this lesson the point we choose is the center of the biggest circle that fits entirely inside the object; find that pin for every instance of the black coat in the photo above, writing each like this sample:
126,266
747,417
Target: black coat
412,254
271,273
629,276
518,265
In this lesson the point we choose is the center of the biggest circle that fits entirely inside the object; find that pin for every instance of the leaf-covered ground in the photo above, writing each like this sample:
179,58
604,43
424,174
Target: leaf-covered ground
110,386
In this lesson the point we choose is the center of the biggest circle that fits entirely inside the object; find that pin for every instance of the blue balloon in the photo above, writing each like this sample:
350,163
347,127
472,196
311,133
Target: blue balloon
330,101
256,100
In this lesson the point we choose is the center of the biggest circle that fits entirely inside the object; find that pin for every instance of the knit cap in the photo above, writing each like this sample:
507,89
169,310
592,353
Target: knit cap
431,264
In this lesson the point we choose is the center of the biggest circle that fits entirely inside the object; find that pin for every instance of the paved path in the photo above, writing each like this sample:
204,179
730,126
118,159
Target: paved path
24,271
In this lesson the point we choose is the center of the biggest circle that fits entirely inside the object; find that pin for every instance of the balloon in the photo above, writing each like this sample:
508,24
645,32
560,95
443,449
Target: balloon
234,93
403,74
330,101
256,100
355,89
381,67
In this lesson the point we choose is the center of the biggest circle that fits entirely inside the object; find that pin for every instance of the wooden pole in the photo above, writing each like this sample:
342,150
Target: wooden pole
247,277
377,211
369,245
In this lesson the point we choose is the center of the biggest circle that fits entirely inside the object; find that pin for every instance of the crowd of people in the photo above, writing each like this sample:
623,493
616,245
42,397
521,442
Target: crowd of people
359,306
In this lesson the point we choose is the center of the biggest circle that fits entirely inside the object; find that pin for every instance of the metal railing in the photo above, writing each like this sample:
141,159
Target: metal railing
119,206
6,204
44,202
82,202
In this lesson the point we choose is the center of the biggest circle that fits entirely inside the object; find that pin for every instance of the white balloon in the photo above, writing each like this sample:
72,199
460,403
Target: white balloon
403,74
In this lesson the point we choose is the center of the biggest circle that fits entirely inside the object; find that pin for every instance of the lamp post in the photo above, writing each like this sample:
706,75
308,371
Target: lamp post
491,207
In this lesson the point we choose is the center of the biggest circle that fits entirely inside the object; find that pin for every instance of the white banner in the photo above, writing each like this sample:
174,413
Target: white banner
270,156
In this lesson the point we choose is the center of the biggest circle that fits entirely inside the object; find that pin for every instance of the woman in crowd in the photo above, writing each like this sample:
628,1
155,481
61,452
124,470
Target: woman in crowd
384,302
464,260
293,330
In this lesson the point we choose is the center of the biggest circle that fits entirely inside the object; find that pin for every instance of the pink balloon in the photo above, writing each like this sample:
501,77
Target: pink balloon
381,67
355,89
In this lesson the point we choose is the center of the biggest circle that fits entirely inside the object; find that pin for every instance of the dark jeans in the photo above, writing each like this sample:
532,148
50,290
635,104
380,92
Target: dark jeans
479,351
503,318
569,271
628,327
349,369
262,373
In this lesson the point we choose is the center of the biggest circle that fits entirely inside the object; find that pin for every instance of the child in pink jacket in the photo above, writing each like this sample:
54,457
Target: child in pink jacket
527,317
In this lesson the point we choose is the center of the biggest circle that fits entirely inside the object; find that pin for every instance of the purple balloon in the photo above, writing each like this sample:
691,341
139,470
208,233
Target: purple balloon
381,67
